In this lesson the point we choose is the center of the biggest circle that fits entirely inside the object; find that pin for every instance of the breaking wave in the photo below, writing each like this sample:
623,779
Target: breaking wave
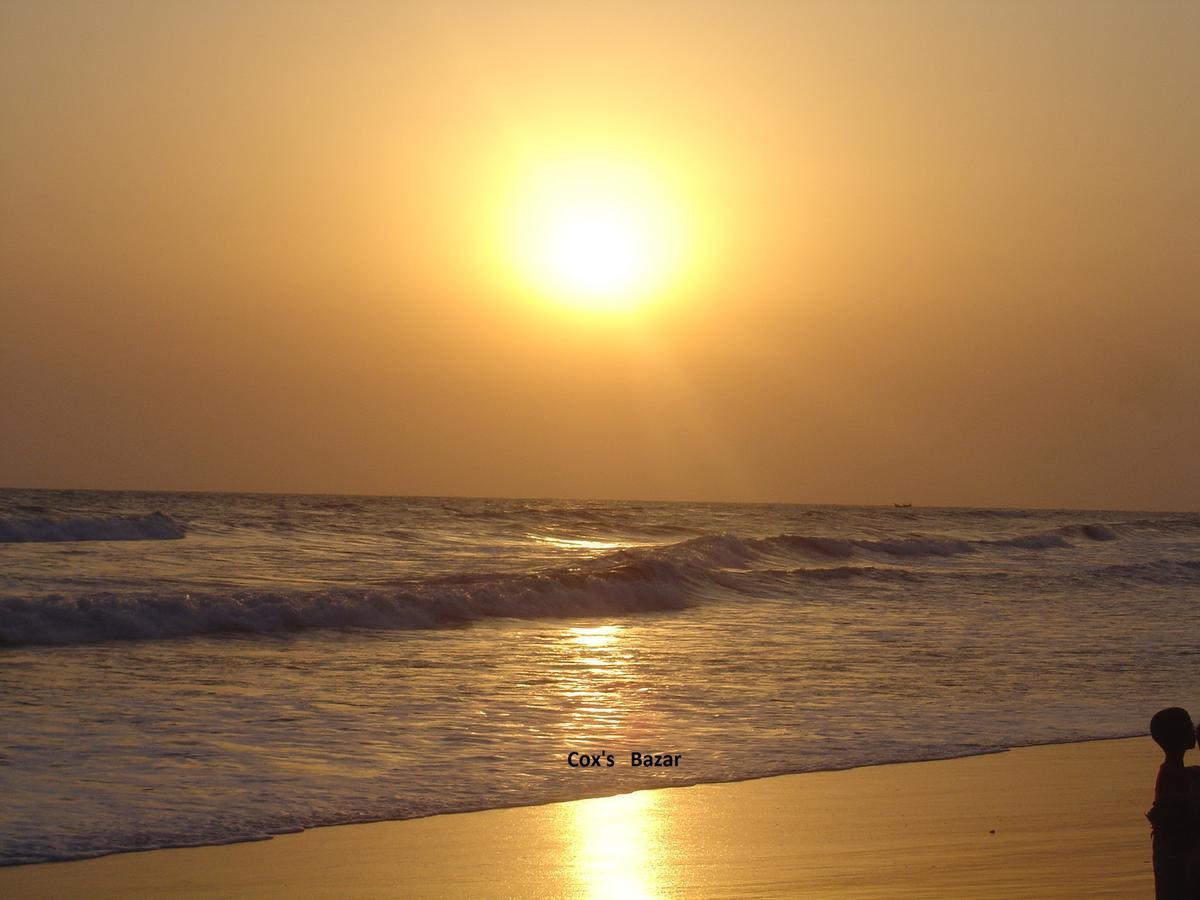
624,588
155,526
645,579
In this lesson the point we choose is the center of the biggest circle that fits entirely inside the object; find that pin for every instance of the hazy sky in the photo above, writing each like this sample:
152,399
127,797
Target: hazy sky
933,252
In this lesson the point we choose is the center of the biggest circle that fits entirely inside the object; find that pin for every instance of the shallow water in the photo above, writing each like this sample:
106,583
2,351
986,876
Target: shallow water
294,661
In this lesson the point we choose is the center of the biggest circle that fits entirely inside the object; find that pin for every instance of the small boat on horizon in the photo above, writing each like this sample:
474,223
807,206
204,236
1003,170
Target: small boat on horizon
902,505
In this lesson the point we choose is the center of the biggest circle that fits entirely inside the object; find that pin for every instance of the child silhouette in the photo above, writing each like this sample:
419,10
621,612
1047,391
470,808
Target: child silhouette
1172,828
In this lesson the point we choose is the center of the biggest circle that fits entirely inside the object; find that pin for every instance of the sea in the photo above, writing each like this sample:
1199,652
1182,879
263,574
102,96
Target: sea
187,668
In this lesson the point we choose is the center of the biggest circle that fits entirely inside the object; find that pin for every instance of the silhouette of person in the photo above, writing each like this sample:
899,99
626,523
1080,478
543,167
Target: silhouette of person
1193,811
1172,829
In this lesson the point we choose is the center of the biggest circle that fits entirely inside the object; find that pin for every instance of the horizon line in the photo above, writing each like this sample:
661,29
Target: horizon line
564,499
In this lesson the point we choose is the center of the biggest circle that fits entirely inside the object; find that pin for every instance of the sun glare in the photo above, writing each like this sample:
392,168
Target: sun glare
595,235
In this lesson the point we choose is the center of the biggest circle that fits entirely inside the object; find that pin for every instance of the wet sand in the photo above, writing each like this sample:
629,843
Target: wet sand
1055,821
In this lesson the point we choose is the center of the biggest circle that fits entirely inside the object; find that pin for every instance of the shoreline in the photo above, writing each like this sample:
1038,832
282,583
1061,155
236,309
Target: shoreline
1062,820
272,835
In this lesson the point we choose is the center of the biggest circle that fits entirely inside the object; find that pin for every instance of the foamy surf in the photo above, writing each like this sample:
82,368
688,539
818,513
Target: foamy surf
303,661
622,582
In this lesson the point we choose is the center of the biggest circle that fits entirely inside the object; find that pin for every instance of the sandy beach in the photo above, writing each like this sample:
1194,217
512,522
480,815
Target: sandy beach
397,398
1052,821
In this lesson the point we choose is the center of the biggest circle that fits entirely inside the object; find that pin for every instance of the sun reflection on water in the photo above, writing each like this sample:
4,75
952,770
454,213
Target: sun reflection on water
581,543
599,636
613,842
592,681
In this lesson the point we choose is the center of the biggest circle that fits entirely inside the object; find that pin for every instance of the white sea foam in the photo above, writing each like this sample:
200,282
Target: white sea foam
300,661
647,579
58,620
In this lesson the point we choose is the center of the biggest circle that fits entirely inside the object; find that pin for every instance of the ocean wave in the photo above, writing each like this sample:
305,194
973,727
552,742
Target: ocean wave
1175,523
735,551
644,579
930,546
732,550
624,588
854,573
1093,532
1159,571
154,526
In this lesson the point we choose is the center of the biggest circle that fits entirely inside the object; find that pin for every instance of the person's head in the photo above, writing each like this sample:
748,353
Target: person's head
1172,730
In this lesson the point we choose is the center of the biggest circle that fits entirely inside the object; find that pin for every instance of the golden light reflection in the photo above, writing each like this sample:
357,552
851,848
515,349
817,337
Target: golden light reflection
592,682
598,636
580,543
615,845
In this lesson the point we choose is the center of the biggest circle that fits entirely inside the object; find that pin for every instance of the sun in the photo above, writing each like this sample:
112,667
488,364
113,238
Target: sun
596,252
595,234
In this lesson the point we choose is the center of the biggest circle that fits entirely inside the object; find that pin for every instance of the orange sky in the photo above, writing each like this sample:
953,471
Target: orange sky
936,252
